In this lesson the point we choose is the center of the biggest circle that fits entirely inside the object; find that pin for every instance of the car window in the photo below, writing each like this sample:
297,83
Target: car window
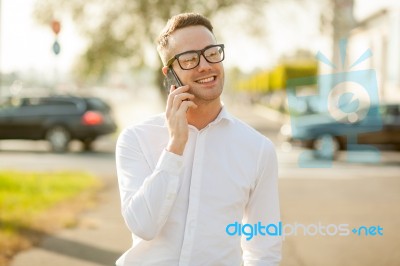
392,110
59,106
57,103
97,105
46,106
390,114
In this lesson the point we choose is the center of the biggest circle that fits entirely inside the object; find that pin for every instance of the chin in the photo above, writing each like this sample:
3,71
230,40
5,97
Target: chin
207,93
208,96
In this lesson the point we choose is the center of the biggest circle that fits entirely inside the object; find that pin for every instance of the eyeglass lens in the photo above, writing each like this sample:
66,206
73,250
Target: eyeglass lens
213,54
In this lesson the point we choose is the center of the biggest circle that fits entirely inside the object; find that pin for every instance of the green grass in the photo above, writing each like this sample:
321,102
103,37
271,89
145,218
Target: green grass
26,198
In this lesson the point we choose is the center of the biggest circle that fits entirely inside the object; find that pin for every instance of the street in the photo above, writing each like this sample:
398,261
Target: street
346,193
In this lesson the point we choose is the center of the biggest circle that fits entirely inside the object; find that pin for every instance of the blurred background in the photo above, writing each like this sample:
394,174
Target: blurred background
74,73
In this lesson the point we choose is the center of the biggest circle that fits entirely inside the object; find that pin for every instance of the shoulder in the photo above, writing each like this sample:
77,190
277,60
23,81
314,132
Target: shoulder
152,125
252,144
153,121
248,132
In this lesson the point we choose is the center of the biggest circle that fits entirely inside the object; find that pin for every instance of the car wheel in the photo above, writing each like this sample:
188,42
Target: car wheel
59,138
326,147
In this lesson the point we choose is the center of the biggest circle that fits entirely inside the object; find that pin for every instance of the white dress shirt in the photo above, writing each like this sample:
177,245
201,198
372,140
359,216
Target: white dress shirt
178,207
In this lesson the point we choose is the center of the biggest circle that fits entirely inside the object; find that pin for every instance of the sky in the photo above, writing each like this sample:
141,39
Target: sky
287,27
27,46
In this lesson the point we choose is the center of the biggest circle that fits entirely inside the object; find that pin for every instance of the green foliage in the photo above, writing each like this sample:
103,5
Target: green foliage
26,194
28,202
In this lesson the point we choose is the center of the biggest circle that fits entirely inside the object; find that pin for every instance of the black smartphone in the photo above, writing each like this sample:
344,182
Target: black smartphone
171,79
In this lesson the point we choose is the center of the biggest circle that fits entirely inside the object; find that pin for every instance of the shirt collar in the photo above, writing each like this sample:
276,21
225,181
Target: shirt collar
223,115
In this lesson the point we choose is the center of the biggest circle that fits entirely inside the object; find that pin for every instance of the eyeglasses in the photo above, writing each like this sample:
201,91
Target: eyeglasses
191,59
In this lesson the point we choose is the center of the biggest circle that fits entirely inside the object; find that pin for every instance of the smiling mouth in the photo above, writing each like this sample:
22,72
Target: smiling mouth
206,80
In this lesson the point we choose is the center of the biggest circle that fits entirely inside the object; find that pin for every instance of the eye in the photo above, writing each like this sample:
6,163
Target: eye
213,52
188,59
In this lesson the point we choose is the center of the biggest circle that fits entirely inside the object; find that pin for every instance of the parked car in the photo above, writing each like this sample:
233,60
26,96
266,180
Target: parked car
382,130
57,119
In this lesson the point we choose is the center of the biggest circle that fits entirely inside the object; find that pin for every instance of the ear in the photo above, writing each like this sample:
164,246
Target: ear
164,70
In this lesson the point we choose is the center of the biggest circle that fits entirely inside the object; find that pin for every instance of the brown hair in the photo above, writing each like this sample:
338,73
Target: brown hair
178,22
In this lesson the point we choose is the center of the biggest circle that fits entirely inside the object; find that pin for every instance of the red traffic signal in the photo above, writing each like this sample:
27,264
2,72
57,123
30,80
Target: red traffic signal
56,26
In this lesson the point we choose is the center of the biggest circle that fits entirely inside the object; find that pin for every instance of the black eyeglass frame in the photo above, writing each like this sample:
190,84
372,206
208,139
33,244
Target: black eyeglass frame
199,53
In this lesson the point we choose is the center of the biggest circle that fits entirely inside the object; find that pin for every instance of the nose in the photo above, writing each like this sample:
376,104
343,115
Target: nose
203,64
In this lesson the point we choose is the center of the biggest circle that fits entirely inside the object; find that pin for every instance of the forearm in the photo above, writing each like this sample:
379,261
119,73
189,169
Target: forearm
146,210
147,191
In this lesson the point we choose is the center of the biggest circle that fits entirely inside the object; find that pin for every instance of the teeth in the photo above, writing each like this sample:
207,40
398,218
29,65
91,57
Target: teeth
206,80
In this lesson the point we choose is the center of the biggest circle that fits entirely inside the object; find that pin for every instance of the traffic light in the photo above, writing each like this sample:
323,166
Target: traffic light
56,27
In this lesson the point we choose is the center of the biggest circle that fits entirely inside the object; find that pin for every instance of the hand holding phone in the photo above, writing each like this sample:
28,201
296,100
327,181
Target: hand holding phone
178,103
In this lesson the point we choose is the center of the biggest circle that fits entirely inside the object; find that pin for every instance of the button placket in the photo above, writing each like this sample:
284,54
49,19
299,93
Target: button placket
194,200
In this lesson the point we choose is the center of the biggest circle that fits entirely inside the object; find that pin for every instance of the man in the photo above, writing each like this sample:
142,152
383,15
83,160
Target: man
185,175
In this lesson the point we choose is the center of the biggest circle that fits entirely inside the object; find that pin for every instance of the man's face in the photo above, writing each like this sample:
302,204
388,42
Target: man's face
206,81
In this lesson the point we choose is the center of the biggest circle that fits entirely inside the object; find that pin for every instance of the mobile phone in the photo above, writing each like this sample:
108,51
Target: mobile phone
171,79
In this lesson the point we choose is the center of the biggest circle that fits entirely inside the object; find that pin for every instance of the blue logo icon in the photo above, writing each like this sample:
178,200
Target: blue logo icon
345,104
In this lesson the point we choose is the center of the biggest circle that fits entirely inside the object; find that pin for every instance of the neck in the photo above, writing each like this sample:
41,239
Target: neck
205,113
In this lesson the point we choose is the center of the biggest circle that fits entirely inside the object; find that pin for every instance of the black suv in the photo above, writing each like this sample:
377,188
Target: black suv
58,119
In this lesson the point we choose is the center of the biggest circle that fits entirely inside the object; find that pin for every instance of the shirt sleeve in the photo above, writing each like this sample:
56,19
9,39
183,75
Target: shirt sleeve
263,206
147,195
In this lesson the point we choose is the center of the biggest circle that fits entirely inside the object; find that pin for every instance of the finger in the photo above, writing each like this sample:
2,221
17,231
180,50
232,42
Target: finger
178,90
184,107
169,98
178,99
173,92
172,88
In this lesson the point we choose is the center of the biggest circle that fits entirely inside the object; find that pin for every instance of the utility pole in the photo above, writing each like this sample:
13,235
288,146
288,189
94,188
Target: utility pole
56,27
1,69
343,23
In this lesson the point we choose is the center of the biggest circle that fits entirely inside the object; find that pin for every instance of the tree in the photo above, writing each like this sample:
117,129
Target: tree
119,31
